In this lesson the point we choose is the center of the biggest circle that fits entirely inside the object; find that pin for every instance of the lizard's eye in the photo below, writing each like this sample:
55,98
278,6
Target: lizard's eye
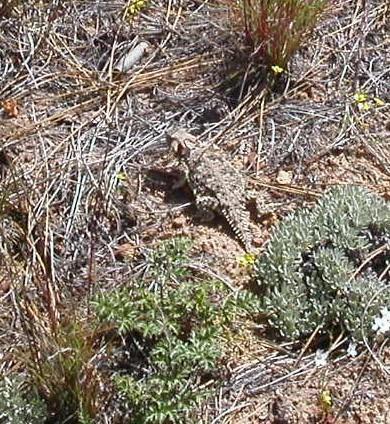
180,148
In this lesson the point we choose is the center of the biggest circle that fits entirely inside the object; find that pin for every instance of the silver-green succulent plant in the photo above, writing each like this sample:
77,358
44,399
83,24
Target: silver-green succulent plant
316,272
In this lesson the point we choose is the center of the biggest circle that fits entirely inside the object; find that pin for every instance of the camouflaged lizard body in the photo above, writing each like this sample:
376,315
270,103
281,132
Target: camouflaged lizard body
216,184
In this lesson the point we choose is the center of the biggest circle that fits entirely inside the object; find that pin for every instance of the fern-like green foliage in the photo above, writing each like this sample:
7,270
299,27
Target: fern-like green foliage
167,262
20,405
309,273
178,329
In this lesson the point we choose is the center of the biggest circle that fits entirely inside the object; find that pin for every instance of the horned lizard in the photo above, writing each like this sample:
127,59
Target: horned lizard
217,186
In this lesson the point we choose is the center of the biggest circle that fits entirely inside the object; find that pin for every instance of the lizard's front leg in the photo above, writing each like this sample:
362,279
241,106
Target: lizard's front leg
205,208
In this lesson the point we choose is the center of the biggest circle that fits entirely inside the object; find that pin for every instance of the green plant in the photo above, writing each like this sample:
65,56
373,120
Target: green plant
174,335
317,272
167,262
19,404
133,8
277,28
62,370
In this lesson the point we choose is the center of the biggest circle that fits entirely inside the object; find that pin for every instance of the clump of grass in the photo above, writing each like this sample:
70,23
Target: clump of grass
277,28
62,370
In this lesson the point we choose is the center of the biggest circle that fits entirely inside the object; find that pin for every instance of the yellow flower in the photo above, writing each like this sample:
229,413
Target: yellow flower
364,106
247,260
360,97
135,7
277,69
326,400
121,176
378,101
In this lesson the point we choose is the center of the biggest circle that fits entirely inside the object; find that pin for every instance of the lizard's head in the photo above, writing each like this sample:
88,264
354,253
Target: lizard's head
181,143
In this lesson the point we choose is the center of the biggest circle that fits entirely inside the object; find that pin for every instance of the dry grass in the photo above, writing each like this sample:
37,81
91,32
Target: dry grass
76,138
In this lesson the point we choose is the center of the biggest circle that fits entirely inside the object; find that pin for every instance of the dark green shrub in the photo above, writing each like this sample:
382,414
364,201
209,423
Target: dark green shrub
167,262
176,330
308,274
